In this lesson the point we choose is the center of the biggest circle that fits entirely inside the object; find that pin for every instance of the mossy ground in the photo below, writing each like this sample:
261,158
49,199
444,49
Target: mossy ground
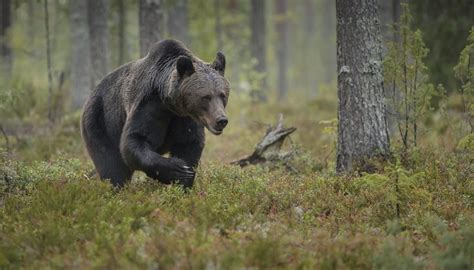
413,214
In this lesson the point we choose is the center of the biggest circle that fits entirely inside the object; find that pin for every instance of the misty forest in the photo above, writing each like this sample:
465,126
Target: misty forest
338,134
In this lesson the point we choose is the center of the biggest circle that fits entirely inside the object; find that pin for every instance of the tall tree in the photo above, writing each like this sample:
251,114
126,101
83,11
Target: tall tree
310,82
396,7
122,18
150,23
218,11
5,23
178,20
48,61
328,34
258,36
282,47
362,127
80,65
98,32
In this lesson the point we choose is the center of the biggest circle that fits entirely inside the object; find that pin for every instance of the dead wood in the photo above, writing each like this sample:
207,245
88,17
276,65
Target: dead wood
269,147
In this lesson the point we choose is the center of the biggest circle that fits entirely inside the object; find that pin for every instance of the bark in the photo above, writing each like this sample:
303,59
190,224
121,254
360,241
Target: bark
178,21
282,47
258,36
150,24
80,64
98,32
362,127
5,49
122,18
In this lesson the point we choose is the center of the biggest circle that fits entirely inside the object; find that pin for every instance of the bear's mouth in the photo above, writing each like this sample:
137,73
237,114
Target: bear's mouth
213,130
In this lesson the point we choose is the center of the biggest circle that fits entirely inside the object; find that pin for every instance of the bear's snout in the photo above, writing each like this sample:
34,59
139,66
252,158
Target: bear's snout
221,123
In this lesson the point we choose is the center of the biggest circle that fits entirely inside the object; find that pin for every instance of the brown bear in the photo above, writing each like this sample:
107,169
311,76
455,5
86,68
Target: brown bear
155,105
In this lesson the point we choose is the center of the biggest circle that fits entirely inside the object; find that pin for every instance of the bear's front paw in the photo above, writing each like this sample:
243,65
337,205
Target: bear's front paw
177,170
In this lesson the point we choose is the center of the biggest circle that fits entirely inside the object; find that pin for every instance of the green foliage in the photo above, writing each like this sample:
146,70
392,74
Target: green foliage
52,215
464,72
406,78
445,27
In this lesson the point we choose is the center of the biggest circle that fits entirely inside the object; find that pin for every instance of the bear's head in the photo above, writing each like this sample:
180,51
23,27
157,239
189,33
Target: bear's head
202,91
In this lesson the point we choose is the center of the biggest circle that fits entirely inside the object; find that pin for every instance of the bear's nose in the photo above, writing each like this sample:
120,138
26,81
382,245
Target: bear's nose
222,122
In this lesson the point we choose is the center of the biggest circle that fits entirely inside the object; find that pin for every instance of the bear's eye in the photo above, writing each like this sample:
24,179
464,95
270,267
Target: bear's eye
222,96
207,98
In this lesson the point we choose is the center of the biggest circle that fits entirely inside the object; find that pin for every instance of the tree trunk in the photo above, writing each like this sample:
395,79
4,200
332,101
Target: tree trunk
362,128
282,47
150,24
178,21
308,48
31,20
49,64
80,65
396,7
258,36
219,39
122,18
5,49
98,31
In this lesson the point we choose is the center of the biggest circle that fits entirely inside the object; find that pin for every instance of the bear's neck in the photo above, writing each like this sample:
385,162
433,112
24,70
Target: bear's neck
173,99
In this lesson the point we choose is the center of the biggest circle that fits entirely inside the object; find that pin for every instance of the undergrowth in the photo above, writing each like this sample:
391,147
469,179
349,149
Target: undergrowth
52,215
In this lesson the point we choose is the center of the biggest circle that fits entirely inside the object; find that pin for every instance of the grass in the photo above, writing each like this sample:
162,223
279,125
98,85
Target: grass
415,215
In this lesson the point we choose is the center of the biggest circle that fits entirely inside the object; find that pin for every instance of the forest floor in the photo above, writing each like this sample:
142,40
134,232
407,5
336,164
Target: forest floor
415,212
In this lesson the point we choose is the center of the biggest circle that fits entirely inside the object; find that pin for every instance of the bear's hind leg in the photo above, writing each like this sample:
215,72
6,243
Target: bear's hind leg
111,166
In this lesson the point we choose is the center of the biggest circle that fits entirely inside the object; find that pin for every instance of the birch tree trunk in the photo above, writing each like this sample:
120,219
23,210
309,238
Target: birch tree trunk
258,36
362,128
80,64
178,21
97,15
282,47
150,15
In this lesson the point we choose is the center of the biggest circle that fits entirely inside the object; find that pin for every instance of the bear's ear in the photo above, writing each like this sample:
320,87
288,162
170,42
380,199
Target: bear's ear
184,66
219,63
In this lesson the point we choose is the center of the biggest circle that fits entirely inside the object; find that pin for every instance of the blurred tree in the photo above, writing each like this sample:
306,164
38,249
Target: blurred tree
150,14
308,43
445,26
362,127
31,19
282,44
218,11
80,64
5,49
122,18
98,32
258,37
389,16
178,21
396,7
48,61
329,32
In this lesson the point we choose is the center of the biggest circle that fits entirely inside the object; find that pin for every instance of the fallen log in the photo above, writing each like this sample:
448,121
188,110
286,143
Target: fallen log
268,150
